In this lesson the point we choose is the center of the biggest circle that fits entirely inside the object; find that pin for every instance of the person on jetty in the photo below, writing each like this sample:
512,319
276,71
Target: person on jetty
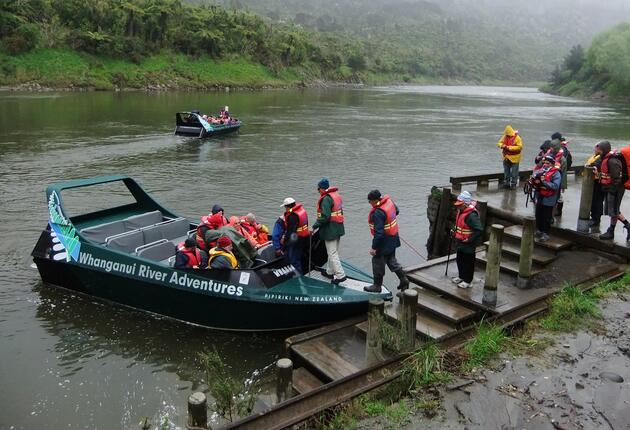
546,181
611,180
563,157
594,164
467,231
511,146
189,256
330,224
383,224
221,256
296,234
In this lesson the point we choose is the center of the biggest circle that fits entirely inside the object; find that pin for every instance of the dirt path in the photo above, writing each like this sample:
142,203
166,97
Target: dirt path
581,382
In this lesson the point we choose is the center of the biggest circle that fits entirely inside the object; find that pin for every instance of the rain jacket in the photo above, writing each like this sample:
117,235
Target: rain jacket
328,230
514,148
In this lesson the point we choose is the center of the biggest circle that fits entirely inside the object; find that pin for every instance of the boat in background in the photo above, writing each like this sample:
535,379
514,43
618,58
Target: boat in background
193,124
125,254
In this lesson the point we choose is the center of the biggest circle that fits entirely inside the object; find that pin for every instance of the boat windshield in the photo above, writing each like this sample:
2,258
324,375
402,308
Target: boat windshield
95,198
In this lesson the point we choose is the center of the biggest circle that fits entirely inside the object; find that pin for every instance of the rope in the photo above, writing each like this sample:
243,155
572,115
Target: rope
412,248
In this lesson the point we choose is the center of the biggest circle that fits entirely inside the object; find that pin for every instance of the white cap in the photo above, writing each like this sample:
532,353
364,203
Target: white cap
288,201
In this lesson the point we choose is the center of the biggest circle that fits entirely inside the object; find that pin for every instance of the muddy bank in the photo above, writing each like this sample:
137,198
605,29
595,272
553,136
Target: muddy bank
582,381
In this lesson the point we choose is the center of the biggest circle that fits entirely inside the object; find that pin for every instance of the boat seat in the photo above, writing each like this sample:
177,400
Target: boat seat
266,254
157,251
143,220
127,242
168,230
100,233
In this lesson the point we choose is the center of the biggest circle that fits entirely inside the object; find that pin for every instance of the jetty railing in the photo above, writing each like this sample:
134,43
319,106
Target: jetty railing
484,179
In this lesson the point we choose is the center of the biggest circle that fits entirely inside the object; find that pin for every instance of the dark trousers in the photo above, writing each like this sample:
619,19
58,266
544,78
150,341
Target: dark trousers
465,266
597,204
294,252
379,262
543,217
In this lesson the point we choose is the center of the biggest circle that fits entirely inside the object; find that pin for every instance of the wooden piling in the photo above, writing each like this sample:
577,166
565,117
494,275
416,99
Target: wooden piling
197,411
440,236
284,375
586,199
482,209
408,318
527,251
373,341
493,265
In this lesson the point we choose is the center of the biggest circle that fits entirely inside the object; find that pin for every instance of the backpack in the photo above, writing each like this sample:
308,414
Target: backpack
623,155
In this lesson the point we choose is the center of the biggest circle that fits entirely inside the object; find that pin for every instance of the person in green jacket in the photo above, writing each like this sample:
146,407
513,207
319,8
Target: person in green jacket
330,224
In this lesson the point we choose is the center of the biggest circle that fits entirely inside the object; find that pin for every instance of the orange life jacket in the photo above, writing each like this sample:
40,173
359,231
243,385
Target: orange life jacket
194,256
463,230
298,209
336,213
391,223
202,228
544,191
509,141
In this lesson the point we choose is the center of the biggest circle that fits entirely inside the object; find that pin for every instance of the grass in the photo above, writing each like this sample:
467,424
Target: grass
570,309
488,342
423,368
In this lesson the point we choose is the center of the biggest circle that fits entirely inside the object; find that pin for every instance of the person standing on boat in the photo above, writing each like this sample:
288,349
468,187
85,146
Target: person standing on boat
189,256
468,230
546,181
296,234
383,223
221,256
511,146
330,224
277,235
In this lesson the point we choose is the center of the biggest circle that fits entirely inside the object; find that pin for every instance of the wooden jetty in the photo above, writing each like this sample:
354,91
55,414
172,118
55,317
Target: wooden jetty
330,364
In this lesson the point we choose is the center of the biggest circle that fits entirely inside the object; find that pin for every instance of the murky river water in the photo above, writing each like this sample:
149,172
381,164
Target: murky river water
68,362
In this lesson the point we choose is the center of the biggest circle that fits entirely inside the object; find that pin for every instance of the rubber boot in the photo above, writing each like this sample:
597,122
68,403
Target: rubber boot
609,235
559,206
376,286
404,281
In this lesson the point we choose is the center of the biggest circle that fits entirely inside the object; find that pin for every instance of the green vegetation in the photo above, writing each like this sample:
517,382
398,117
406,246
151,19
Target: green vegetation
489,341
603,68
568,309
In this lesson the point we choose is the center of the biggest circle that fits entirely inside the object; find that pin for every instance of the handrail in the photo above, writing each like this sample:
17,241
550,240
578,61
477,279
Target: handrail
455,180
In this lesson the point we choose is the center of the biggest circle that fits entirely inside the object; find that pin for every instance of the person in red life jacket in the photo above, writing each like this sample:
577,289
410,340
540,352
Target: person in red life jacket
467,231
511,146
221,256
296,234
561,153
209,223
546,182
383,223
611,180
258,232
189,256
330,224
217,209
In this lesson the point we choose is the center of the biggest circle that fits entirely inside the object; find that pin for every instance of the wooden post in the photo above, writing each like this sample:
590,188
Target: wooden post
440,236
527,249
482,184
586,200
456,186
284,372
409,314
493,265
373,341
482,208
197,411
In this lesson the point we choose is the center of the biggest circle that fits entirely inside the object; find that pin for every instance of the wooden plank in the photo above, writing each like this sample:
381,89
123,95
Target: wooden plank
556,243
541,255
325,359
304,381
447,309
490,176
508,265
426,325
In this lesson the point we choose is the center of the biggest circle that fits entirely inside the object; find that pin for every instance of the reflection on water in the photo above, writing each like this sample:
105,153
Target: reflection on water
74,363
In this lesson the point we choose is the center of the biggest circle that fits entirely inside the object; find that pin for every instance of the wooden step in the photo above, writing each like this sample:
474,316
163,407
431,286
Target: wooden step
508,264
541,255
325,359
426,324
555,243
304,381
443,307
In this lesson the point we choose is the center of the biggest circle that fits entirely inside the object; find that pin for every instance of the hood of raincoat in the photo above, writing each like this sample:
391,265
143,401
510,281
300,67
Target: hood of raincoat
509,131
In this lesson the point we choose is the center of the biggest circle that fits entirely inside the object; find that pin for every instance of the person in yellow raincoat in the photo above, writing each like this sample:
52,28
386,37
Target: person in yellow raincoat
511,146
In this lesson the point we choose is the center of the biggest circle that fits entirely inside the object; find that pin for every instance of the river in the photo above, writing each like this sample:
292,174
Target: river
69,362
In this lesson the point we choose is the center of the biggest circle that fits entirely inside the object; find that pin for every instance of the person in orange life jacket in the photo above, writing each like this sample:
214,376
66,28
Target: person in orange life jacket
383,224
546,181
258,232
562,154
511,146
296,234
189,256
208,224
221,256
597,203
330,224
611,179
467,231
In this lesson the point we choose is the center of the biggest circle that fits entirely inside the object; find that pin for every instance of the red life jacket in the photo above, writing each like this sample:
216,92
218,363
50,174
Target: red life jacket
391,223
202,228
336,213
544,191
557,156
509,141
194,256
463,230
298,209
251,229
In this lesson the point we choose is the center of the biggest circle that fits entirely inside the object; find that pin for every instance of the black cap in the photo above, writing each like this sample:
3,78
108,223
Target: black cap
190,242
556,135
216,208
604,145
374,195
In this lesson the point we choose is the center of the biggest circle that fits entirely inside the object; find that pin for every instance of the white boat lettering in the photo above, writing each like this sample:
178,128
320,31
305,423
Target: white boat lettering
327,299
147,272
107,265
283,271
183,280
